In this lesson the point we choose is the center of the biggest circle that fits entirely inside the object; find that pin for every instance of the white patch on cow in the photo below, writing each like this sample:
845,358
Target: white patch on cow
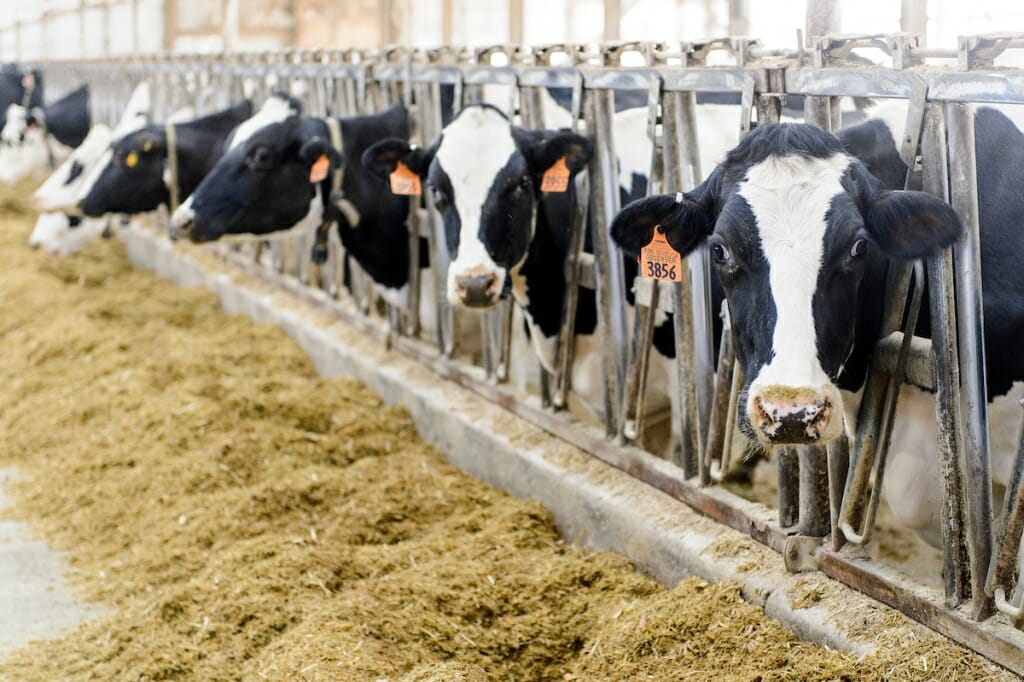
92,175
789,197
182,216
632,146
54,235
312,220
56,193
475,147
274,110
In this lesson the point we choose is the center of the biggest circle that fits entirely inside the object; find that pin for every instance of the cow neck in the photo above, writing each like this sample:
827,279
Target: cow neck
172,165
541,274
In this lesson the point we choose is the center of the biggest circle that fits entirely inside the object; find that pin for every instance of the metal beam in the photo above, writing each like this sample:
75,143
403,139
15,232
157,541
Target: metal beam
612,19
515,22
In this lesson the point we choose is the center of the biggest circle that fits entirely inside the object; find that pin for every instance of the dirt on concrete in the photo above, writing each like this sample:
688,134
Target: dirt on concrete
242,519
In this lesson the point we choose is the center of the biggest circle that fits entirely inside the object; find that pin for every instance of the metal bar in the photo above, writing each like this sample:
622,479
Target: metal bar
604,193
720,401
971,334
1003,571
788,463
814,491
838,453
955,567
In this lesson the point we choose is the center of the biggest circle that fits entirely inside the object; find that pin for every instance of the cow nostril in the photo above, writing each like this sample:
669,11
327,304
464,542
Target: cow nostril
476,282
787,415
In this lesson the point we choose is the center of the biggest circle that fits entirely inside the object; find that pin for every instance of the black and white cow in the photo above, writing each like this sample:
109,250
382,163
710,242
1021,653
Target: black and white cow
133,177
801,226
39,138
60,229
19,87
262,189
503,234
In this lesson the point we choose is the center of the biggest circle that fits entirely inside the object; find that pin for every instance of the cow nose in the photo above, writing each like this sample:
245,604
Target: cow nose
179,228
790,415
477,290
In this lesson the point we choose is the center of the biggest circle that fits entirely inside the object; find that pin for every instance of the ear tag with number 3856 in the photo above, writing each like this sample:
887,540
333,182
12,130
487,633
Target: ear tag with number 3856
658,260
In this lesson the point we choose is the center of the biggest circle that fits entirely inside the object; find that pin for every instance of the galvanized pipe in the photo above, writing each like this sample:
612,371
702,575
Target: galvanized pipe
971,333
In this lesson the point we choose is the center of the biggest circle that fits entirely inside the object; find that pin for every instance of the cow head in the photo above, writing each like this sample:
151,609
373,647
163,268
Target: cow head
61,189
130,176
61,234
796,229
484,175
23,149
261,184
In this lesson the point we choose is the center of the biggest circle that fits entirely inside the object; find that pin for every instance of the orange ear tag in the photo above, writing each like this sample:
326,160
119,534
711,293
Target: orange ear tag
658,260
318,171
404,181
556,178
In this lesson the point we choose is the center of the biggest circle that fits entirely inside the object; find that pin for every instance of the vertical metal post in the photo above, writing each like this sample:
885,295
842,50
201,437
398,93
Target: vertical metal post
838,465
970,328
822,18
680,168
604,193
814,491
947,370
788,464
612,19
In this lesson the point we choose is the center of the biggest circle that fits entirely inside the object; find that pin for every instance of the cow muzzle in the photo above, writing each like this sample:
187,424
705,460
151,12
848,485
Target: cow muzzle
181,224
789,415
477,288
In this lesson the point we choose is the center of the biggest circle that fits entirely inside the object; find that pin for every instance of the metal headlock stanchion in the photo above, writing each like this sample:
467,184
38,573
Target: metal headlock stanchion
821,489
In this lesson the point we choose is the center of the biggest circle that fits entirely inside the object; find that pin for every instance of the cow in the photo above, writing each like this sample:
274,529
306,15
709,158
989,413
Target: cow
262,189
19,87
60,230
801,226
505,236
40,137
136,174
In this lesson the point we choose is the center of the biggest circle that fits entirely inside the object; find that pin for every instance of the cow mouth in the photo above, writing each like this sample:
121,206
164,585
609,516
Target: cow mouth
778,422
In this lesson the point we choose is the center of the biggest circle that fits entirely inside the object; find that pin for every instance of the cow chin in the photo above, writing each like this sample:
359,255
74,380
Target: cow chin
795,415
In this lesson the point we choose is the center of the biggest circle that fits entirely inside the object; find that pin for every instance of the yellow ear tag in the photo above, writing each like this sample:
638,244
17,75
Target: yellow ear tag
147,145
318,171
658,260
556,178
131,160
404,181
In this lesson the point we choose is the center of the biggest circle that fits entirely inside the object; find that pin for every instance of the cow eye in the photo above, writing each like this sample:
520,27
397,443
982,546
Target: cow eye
859,248
259,158
720,253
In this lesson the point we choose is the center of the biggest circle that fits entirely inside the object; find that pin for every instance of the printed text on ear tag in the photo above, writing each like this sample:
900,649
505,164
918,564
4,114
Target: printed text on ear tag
404,181
318,171
658,260
556,178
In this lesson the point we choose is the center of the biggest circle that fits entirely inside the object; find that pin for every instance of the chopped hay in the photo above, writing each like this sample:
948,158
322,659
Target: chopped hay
243,519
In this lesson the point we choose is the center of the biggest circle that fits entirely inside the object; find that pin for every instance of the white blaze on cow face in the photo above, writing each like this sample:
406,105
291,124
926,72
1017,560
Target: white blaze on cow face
792,398
475,147
60,191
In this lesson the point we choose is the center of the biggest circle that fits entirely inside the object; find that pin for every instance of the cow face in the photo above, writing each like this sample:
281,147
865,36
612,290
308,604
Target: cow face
261,186
61,189
484,176
23,149
796,229
130,177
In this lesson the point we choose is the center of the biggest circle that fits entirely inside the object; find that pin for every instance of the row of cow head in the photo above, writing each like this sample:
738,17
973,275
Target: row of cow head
799,230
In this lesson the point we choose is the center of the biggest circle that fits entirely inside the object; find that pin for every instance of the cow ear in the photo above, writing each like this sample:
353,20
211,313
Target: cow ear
313,151
909,225
686,219
382,158
543,154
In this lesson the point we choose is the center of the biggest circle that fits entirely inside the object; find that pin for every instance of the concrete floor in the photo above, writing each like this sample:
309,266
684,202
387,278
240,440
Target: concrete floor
35,602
